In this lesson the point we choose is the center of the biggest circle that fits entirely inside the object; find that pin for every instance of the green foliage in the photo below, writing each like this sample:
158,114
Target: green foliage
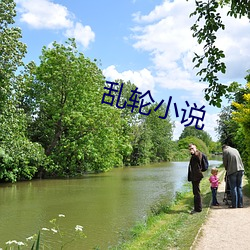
238,8
210,18
20,158
201,134
149,136
78,132
12,50
152,138
181,154
227,127
36,243
241,116
52,121
161,131
201,146
215,147
233,123
205,28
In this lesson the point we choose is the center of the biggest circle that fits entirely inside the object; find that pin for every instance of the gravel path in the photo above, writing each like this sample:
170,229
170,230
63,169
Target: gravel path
225,228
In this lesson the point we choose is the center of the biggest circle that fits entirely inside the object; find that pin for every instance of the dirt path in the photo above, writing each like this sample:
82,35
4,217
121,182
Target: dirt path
225,228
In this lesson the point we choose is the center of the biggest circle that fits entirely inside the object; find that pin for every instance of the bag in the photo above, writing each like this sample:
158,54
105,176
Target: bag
204,163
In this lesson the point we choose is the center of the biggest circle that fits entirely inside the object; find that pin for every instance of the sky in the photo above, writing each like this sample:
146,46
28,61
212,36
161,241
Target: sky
148,42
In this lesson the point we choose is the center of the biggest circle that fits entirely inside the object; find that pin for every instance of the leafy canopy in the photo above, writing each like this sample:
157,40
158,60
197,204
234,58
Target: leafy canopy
205,28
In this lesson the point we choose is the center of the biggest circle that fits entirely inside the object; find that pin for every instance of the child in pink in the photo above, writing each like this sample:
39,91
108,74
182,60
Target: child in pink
214,186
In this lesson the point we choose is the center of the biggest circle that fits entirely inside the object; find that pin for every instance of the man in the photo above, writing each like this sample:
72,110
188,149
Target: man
195,175
235,170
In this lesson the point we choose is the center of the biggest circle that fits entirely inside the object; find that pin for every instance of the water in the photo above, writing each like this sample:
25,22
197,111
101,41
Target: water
104,204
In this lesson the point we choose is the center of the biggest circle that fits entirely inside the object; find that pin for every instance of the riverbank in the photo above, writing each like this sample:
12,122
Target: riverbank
171,227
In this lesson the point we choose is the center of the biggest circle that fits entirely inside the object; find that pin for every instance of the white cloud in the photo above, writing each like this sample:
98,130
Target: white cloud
177,130
210,123
44,14
165,33
234,41
159,12
143,78
83,34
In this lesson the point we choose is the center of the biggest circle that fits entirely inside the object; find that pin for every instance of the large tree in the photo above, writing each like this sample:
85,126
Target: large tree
77,131
12,51
19,157
211,63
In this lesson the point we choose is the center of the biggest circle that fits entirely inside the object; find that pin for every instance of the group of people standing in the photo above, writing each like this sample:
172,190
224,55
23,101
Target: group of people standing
234,167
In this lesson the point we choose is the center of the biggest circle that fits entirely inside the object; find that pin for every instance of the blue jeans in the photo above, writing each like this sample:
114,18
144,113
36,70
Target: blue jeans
214,196
235,182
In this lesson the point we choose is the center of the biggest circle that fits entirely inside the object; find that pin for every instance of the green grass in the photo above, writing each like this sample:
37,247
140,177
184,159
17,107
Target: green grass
246,187
170,226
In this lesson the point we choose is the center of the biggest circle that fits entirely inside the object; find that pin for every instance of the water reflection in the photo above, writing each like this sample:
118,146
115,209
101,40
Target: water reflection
105,204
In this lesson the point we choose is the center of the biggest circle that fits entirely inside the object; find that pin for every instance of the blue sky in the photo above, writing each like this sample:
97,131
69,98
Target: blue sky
148,42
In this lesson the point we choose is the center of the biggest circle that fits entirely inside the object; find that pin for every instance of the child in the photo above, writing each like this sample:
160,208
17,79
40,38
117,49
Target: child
214,185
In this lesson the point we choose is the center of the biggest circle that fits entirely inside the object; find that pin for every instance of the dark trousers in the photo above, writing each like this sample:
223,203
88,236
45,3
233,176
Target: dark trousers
197,196
214,196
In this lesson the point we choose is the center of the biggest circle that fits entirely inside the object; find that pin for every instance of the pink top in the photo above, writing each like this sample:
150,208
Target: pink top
214,181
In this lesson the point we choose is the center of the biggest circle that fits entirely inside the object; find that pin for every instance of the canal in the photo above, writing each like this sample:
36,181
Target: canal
105,204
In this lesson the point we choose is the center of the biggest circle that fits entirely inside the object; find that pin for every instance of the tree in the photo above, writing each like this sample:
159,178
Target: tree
149,135
201,134
227,127
161,133
78,132
12,50
20,158
215,148
132,128
208,23
241,116
183,144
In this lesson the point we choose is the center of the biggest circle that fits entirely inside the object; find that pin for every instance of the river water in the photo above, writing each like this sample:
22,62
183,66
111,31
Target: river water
104,204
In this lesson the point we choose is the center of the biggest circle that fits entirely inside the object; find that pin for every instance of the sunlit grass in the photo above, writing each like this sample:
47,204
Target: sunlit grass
170,226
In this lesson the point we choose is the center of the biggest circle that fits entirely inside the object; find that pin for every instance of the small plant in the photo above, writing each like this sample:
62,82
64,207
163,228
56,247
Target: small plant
48,237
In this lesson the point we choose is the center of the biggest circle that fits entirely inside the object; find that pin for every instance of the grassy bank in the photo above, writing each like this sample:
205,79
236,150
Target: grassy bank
170,227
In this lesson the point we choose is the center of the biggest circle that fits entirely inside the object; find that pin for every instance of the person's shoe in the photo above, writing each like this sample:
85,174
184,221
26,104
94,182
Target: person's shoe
217,204
241,206
194,212
231,206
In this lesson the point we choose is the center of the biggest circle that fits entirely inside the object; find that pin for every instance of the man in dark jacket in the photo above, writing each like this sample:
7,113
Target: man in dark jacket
195,175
